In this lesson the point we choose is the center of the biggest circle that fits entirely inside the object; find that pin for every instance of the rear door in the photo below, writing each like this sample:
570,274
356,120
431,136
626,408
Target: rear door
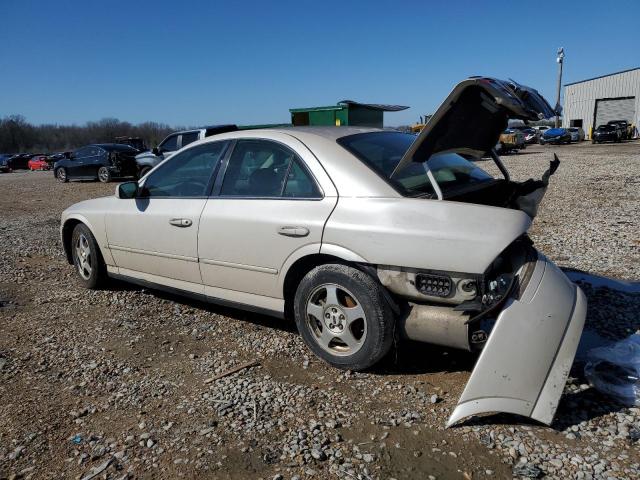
271,201
154,236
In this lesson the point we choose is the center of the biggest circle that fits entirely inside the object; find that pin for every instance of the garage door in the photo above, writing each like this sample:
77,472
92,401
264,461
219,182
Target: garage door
615,109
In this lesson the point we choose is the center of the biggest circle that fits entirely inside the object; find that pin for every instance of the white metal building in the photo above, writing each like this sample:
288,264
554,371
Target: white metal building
596,101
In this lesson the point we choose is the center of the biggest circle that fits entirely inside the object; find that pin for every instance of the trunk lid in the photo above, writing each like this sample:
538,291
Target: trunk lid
473,116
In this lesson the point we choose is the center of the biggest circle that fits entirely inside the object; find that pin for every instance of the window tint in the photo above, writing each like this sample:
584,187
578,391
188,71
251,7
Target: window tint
170,144
187,174
82,152
257,168
299,183
188,138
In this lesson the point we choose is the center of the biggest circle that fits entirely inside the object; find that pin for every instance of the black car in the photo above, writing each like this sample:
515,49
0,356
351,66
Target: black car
606,133
102,161
5,165
622,126
20,161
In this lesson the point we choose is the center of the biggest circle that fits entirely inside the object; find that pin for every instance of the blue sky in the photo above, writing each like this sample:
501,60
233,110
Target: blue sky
207,62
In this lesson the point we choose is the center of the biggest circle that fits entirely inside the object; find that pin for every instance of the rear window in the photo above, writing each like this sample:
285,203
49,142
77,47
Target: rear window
382,151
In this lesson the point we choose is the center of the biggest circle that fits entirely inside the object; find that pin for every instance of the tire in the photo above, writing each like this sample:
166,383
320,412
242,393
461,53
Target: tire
104,175
87,259
541,142
61,175
356,328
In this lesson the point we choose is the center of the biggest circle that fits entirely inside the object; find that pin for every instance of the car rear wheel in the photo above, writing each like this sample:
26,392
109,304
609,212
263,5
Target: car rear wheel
61,175
104,175
343,316
87,259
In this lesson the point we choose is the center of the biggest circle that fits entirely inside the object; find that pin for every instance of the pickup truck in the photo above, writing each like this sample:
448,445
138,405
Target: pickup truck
174,142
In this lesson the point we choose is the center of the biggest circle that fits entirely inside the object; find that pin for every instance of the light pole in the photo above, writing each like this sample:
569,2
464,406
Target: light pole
560,60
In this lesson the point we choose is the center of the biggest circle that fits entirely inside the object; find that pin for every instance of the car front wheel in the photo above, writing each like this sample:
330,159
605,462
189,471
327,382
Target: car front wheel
87,258
343,316
61,175
104,175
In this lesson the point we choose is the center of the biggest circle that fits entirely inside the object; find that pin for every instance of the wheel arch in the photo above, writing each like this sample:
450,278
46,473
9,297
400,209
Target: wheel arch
67,232
296,268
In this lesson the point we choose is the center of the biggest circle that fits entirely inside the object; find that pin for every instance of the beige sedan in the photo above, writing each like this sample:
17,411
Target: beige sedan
360,235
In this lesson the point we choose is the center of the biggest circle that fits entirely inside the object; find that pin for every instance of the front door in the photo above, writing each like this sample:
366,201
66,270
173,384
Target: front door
154,236
268,206
78,164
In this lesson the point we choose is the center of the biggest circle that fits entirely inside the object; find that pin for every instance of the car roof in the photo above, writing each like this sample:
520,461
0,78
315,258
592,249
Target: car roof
112,146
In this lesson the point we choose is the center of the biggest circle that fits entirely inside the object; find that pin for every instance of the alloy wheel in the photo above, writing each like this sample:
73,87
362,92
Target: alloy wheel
336,320
103,175
84,258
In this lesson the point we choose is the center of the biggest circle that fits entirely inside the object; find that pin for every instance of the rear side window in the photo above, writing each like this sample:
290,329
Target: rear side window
186,174
265,169
188,138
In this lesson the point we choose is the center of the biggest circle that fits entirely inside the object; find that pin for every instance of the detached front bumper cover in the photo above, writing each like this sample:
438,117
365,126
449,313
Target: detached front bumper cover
526,361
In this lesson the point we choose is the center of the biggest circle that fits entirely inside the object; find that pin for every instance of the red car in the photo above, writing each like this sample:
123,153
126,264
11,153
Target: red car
39,162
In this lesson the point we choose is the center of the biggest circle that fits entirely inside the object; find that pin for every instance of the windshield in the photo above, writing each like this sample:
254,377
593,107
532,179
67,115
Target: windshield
382,151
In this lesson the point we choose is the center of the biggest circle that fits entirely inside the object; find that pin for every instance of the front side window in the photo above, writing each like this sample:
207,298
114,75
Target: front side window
170,144
261,168
382,151
188,138
187,174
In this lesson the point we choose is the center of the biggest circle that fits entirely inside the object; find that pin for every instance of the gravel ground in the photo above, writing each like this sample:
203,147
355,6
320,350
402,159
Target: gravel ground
121,383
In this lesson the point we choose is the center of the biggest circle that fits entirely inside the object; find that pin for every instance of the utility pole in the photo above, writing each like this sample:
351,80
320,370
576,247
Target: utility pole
560,60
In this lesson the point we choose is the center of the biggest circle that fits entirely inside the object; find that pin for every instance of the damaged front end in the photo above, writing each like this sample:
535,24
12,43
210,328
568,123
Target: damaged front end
524,315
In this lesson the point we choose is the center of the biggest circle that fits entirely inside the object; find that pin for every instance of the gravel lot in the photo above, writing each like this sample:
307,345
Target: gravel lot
120,382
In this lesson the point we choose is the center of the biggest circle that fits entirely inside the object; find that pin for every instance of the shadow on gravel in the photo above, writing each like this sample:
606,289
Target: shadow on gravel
235,313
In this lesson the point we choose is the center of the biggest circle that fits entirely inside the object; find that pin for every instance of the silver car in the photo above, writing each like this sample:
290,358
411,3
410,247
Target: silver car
360,235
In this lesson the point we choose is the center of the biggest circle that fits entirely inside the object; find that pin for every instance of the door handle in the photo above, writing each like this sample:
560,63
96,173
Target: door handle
181,222
288,231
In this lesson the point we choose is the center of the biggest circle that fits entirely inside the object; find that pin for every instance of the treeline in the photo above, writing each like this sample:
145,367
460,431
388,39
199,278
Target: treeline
19,136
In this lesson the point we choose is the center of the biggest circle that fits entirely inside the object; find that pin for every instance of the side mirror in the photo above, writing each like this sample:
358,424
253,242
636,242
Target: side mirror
155,151
127,190
68,155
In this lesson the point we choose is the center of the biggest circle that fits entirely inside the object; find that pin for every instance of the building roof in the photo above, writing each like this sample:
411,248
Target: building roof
602,76
342,104
375,106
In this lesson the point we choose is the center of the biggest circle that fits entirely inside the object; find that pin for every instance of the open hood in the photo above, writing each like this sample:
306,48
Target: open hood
472,117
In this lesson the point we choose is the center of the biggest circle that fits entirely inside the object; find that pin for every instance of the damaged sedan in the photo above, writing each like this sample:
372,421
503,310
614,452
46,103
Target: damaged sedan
360,235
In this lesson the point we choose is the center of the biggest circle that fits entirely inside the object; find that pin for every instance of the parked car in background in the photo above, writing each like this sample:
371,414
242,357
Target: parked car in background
541,129
555,136
103,161
20,161
5,166
606,133
623,128
38,162
511,139
531,135
577,134
174,142
54,157
272,220
135,142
